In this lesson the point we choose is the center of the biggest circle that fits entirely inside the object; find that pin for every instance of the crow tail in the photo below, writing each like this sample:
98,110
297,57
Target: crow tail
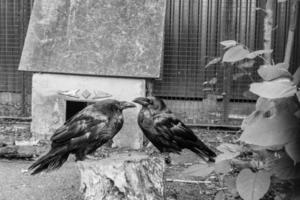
54,159
203,151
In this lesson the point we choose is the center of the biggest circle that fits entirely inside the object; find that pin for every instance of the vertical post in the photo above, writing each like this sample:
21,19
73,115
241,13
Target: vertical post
268,28
227,32
149,87
22,74
226,91
291,34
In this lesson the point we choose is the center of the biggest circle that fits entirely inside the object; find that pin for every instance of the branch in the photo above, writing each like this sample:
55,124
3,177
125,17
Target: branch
187,181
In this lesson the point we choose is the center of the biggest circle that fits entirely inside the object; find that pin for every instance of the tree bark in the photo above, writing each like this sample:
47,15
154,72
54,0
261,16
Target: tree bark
291,35
126,176
268,28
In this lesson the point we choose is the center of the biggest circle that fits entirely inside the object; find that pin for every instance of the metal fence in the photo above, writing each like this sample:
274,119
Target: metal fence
193,31
15,86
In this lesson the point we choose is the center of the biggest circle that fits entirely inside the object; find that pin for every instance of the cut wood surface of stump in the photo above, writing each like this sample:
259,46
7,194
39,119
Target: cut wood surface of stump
126,176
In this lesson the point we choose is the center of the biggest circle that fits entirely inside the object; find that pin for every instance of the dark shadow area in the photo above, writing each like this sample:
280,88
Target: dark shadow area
74,107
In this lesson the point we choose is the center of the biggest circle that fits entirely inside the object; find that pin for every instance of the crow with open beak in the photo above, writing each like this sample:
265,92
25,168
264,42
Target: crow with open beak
83,134
167,133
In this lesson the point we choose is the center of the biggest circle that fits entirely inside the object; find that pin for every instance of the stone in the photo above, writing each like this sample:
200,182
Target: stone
14,130
126,176
96,37
17,152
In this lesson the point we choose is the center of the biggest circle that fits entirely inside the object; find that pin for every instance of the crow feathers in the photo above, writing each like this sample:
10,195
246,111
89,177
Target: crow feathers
166,132
83,134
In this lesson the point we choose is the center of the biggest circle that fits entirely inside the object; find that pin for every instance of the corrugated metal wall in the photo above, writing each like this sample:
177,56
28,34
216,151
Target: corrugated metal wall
15,86
193,31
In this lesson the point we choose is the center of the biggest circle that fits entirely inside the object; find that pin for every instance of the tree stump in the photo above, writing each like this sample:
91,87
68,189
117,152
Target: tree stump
126,176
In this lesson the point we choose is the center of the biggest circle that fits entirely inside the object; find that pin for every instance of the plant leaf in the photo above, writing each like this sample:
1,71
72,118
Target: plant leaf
228,147
296,76
235,54
275,89
223,167
254,54
213,81
220,196
229,43
229,151
208,89
247,64
230,182
253,186
226,156
282,66
199,170
284,168
275,126
213,61
249,95
271,72
239,75
293,150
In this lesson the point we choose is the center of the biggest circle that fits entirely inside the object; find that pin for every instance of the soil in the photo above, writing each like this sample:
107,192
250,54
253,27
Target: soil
63,184
17,185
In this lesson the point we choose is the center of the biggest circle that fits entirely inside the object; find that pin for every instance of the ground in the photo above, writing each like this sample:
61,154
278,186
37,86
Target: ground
63,184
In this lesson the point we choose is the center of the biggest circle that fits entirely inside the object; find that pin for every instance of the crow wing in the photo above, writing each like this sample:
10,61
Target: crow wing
177,136
81,126
167,123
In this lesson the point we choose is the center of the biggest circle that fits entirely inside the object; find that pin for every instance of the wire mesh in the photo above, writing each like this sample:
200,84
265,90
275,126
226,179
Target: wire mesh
16,85
193,31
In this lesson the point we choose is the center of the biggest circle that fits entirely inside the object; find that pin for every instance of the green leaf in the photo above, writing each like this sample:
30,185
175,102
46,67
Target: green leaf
228,147
254,54
270,127
226,156
247,64
229,151
208,89
213,81
285,168
223,167
296,76
199,170
229,43
220,196
253,186
235,54
293,150
230,183
249,95
212,62
240,75
271,72
275,89
282,66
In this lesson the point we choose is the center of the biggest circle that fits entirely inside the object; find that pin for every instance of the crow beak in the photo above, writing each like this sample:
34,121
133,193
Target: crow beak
142,101
126,105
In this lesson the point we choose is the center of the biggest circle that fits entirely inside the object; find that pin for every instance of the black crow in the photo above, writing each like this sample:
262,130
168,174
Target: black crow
83,133
166,132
